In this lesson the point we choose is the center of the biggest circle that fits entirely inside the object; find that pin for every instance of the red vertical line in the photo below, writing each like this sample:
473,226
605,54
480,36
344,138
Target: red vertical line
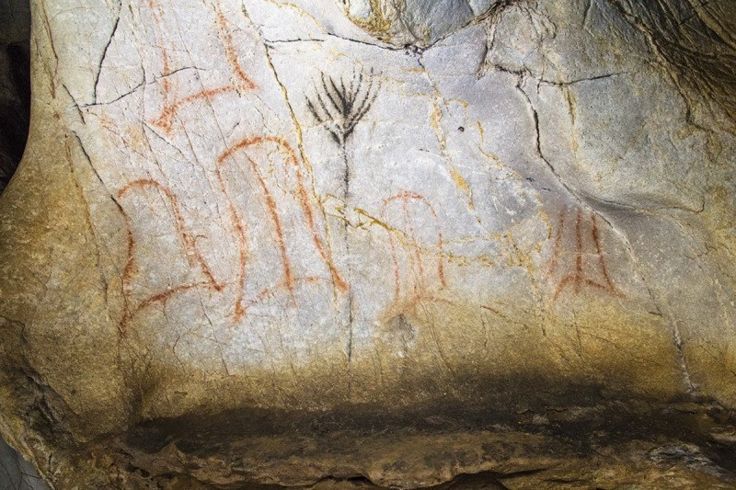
557,242
578,251
326,257
440,259
337,280
166,69
309,215
273,212
190,244
240,232
395,260
128,272
406,195
130,267
599,251
165,73
394,257
440,241
417,268
244,82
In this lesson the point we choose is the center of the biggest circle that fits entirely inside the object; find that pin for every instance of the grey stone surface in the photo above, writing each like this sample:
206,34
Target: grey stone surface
16,473
297,242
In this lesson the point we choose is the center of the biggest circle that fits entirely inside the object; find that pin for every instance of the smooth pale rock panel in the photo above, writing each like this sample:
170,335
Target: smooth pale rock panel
236,219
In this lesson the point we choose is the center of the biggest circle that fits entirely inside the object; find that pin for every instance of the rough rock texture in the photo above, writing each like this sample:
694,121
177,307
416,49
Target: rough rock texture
374,243
15,23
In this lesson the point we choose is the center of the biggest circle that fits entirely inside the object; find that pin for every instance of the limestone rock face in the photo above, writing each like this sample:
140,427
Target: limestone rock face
352,242
417,22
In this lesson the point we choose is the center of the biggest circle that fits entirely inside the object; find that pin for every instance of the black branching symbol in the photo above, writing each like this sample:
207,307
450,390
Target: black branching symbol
339,105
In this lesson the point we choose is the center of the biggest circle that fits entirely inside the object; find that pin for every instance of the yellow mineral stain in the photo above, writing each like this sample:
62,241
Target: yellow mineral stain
377,23
435,120
481,132
461,102
462,185
372,220
460,182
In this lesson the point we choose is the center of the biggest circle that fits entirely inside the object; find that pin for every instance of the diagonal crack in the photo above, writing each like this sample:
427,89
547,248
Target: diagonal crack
104,53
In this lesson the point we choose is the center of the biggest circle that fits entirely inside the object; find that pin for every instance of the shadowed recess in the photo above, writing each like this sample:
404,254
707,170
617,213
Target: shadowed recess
15,87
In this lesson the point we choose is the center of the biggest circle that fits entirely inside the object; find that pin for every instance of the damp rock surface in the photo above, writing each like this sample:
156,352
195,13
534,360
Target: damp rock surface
335,244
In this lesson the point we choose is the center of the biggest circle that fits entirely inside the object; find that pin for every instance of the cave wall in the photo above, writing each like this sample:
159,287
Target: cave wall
363,226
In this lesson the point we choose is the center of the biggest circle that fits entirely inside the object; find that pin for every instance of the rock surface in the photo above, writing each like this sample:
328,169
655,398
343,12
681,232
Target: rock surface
349,243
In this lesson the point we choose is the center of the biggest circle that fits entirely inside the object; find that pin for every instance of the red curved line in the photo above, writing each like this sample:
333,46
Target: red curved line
406,196
419,276
303,198
599,251
276,219
230,52
165,120
189,242
558,240
190,248
161,297
238,225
